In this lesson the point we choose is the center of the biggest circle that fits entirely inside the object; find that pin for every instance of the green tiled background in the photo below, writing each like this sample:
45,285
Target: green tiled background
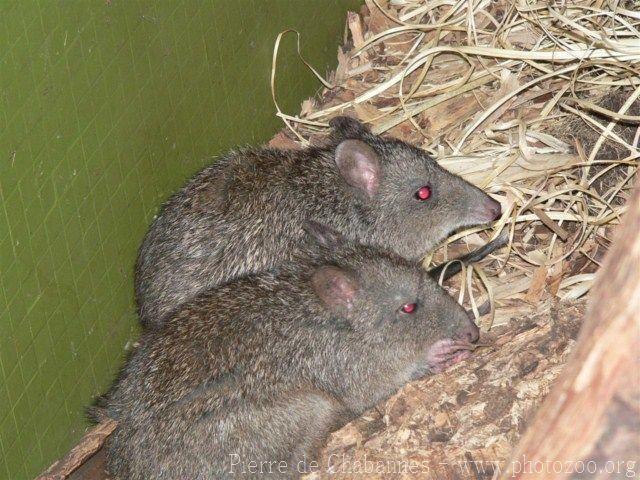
106,107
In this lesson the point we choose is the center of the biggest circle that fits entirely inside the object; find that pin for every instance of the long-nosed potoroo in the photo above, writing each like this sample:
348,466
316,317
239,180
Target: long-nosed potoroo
245,213
255,373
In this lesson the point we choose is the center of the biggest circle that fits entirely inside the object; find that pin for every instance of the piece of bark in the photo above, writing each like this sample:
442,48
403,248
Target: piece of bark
93,468
355,27
538,284
593,413
282,141
463,423
85,449
553,226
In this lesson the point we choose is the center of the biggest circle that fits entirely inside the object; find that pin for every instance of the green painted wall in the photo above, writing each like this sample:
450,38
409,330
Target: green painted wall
106,107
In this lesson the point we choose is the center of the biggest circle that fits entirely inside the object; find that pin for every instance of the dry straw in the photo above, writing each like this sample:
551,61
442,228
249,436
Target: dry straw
494,90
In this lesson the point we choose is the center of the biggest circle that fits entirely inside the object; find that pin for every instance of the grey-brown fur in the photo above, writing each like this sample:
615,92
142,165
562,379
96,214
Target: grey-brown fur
244,214
267,365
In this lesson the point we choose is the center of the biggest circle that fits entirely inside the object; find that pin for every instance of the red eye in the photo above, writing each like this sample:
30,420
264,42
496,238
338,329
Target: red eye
423,193
409,308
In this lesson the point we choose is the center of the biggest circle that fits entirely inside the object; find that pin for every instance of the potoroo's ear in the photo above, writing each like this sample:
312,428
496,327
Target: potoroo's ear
359,165
323,234
335,287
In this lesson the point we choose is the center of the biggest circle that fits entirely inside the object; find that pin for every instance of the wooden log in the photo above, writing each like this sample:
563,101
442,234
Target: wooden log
85,449
591,420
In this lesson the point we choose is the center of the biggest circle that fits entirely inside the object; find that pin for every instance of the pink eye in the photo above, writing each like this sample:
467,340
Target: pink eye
409,307
423,193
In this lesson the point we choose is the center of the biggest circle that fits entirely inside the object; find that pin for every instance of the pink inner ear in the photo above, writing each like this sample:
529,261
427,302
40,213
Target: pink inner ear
346,290
359,165
334,286
370,180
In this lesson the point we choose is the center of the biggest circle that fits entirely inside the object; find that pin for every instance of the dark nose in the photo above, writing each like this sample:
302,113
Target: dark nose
486,209
494,209
468,332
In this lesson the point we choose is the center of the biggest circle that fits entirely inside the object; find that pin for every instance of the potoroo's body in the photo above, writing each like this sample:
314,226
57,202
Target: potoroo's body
263,368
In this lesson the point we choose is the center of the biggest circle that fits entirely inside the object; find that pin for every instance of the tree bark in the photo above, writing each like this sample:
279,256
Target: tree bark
90,443
590,423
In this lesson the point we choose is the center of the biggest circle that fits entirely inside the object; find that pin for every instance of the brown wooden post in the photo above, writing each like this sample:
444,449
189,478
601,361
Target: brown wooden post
590,421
